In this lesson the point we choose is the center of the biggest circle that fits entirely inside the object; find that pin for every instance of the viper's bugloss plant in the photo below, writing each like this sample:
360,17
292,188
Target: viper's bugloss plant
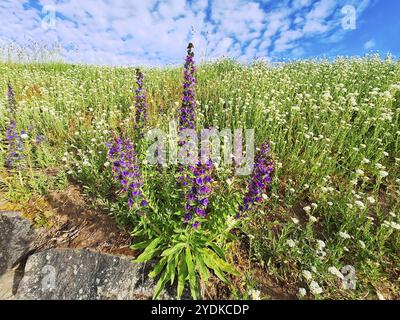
260,180
187,251
141,114
121,154
15,151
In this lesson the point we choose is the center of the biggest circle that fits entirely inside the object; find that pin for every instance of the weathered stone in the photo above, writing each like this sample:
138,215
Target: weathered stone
16,237
83,274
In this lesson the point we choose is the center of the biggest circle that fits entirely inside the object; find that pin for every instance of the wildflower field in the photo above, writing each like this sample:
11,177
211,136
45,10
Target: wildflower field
317,217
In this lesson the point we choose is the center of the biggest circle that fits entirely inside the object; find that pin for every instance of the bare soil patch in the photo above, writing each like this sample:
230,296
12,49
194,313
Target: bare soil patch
76,225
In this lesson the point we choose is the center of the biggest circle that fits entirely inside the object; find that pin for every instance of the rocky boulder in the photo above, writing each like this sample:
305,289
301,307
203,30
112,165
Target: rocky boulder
16,238
83,274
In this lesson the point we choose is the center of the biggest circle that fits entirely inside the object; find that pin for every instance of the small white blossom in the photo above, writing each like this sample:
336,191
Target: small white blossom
380,296
307,209
290,243
395,225
344,235
230,221
320,245
314,269
314,205
371,200
307,275
336,272
315,288
302,292
359,204
255,294
383,174
360,172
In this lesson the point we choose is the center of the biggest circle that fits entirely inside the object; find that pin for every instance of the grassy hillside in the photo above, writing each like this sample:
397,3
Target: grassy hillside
334,130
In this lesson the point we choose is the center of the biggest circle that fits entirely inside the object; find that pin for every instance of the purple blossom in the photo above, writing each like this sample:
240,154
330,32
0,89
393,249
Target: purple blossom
197,195
122,156
40,138
196,224
261,177
140,102
143,203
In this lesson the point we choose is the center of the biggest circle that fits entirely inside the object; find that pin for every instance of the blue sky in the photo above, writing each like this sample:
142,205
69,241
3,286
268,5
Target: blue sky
155,32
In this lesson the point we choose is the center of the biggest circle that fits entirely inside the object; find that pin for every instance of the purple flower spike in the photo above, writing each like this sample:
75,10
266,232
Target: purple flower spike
188,108
15,151
140,103
122,155
197,197
260,181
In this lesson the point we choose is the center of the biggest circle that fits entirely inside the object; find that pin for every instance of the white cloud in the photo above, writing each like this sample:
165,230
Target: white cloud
157,31
317,19
369,44
286,41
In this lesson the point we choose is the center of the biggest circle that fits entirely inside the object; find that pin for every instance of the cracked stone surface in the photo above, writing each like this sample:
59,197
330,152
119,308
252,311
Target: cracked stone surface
16,238
65,273
83,274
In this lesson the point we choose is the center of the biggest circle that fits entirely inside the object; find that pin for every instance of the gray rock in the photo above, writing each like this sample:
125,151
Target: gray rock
84,274
16,237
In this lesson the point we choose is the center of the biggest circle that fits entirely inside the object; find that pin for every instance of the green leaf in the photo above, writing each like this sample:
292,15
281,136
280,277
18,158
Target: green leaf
172,265
148,253
221,264
217,249
202,267
172,250
182,275
160,284
192,275
140,245
211,264
158,268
